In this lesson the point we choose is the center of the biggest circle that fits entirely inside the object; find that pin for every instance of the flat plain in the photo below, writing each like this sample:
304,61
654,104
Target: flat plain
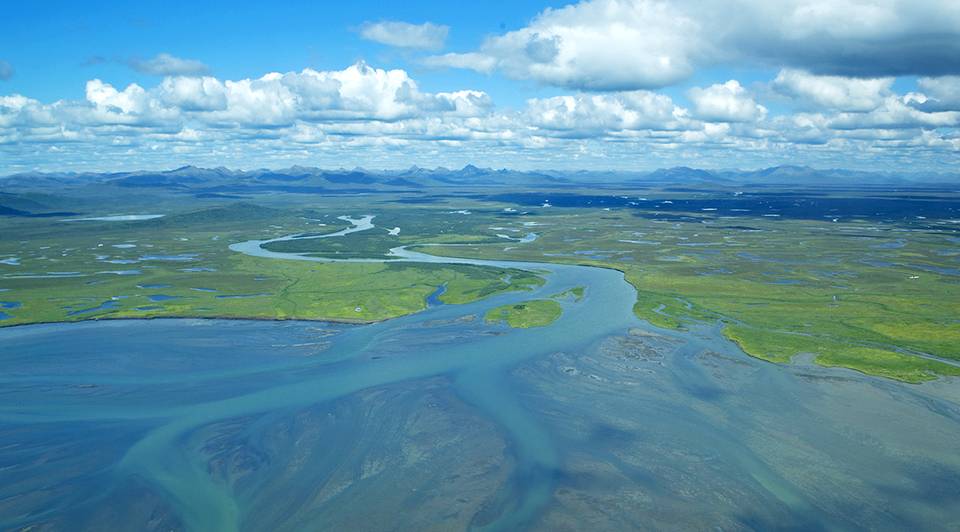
862,279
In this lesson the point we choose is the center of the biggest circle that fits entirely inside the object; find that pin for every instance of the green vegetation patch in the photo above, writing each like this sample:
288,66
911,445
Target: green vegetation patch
575,293
860,294
250,287
181,266
533,313
886,363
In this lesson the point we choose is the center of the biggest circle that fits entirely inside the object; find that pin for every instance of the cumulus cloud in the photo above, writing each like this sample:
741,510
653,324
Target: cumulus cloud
895,113
463,103
602,45
725,102
644,44
938,94
590,114
133,106
833,92
6,71
357,93
426,36
361,111
15,111
168,65
468,61
878,38
193,93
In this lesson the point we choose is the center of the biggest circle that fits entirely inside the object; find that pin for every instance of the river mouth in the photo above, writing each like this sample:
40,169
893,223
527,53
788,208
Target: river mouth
440,420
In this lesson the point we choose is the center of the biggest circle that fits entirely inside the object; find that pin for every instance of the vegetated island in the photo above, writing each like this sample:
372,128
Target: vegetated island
532,313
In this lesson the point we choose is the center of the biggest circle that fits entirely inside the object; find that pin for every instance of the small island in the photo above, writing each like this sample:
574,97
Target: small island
533,313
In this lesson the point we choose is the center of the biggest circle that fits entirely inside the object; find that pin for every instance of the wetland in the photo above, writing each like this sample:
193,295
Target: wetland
620,368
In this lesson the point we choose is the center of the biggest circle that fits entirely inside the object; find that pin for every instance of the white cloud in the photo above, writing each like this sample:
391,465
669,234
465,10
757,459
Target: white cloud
168,65
642,44
356,93
360,112
426,36
939,94
464,103
193,93
468,61
586,114
726,102
833,92
604,45
862,38
894,113
131,100
133,106
15,110
710,133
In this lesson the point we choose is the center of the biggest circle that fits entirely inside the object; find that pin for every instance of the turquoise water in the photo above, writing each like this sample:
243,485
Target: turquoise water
440,421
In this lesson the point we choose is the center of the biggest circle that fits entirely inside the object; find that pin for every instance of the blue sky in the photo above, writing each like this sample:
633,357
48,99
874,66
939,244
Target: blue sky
598,84
81,40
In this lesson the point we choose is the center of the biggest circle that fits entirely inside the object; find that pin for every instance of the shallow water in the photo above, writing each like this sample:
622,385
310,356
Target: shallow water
441,421
187,257
434,298
121,272
118,218
106,305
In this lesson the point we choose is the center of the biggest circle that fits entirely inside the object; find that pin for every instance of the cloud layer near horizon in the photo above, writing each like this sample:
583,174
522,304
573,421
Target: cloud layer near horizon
361,107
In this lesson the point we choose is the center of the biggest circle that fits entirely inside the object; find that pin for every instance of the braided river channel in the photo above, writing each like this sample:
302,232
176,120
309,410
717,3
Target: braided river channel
440,421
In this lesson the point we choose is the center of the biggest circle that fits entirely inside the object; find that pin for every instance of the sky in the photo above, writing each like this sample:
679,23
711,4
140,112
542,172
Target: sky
597,84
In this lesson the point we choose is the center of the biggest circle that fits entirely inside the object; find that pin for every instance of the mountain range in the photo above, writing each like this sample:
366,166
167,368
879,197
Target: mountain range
224,181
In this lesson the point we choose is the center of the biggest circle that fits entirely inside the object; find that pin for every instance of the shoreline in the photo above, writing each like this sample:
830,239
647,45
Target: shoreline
339,321
452,260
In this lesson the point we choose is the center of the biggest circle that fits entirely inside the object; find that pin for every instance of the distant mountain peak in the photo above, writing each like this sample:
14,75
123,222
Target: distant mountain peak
301,169
681,174
182,169
190,178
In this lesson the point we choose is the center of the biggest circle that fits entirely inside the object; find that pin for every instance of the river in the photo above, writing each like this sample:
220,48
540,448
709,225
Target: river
436,420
